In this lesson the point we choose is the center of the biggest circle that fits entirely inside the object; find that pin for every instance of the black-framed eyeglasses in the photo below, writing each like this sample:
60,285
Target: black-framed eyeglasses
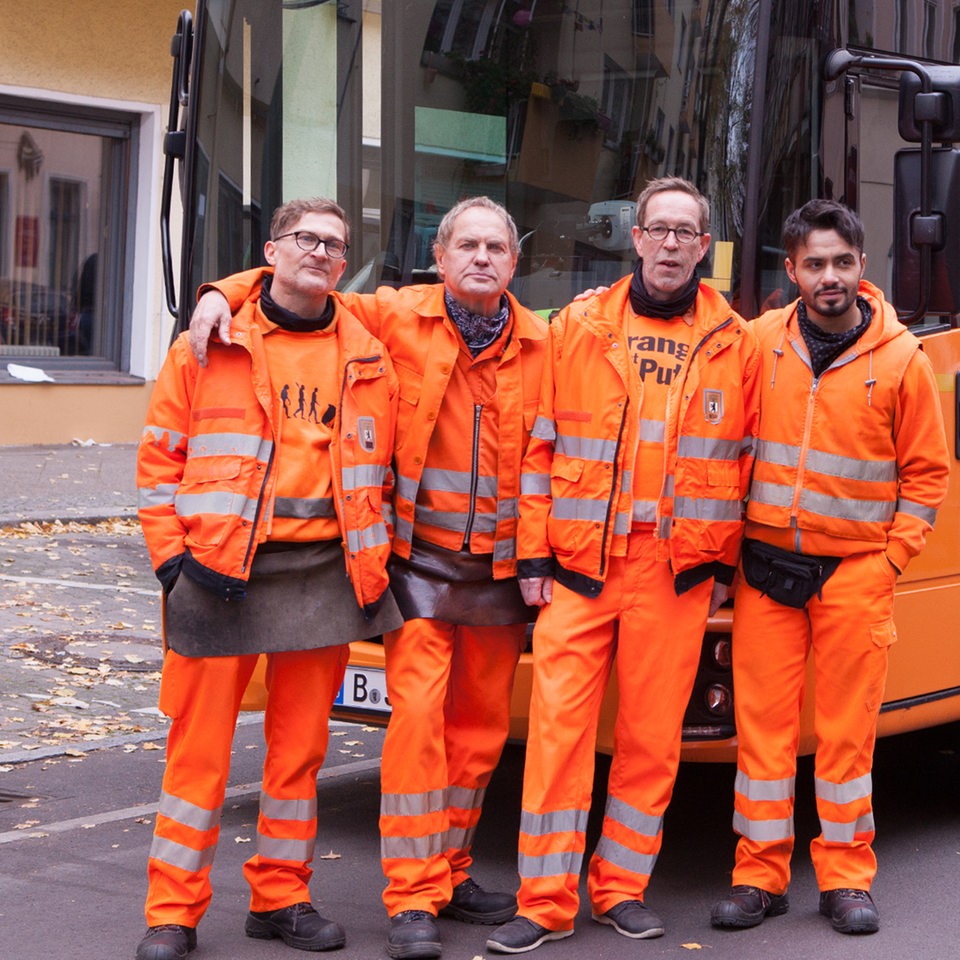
332,246
659,233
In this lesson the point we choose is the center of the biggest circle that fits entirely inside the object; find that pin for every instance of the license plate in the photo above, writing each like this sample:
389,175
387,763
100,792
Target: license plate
364,688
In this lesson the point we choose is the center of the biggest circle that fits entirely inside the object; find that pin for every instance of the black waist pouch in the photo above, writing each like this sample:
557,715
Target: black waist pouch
789,578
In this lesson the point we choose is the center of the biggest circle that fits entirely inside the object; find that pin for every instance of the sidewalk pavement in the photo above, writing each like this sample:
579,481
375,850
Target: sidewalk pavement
80,482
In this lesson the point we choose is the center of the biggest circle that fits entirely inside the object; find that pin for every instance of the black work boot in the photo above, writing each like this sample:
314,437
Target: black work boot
167,941
470,903
298,925
413,933
746,907
850,911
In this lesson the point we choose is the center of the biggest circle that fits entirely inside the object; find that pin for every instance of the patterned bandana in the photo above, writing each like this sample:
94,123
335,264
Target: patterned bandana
287,318
824,346
477,332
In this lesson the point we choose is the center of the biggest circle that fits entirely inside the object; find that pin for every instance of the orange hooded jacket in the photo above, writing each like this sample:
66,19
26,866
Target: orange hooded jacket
575,509
856,459
205,465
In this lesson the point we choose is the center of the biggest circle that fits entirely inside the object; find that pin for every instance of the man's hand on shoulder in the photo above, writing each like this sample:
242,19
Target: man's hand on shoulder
211,312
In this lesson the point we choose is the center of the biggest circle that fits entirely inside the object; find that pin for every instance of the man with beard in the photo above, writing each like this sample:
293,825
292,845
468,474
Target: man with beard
851,466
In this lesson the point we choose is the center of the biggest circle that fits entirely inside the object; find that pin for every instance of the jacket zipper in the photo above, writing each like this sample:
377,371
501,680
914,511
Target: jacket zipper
474,475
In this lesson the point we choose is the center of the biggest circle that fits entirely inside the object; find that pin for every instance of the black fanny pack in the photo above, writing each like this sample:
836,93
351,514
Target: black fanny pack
789,578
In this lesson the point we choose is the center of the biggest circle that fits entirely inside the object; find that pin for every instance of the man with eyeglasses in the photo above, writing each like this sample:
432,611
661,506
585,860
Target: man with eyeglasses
253,512
470,360
631,516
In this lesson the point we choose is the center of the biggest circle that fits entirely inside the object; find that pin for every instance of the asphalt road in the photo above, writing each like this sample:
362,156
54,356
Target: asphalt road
81,761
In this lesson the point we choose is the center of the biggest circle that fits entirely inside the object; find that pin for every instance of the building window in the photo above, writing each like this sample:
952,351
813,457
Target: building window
66,187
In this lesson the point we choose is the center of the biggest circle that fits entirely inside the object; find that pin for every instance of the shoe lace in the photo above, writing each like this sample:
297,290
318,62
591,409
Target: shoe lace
410,916
860,895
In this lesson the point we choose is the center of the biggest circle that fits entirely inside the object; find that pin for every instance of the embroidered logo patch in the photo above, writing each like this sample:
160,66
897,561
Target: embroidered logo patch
367,432
713,406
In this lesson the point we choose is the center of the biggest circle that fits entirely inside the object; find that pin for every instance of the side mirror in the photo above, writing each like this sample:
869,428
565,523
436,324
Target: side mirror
937,230
940,105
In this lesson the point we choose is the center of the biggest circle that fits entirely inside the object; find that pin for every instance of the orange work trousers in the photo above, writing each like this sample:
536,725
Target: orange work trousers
849,631
449,688
202,697
657,650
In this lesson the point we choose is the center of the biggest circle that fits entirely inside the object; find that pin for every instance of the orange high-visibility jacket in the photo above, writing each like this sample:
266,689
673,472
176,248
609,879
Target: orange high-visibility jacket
412,322
575,509
205,466
857,459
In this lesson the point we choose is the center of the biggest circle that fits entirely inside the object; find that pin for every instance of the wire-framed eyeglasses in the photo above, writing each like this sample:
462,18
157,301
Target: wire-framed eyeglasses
332,246
659,233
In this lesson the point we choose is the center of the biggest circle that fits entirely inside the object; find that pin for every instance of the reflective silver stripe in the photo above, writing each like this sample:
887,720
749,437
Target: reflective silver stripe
289,848
621,523
771,494
763,831
703,508
665,528
644,511
364,475
844,792
163,495
187,813
746,445
865,511
304,810
173,436
779,454
708,448
624,857
535,484
464,798
578,508
586,448
455,520
627,480
373,536
403,529
412,804
304,508
851,468
508,509
412,848
217,501
668,485
456,481
459,838
229,445
180,855
558,821
550,864
917,510
505,549
544,429
846,832
406,488
761,790
632,818
387,510
651,431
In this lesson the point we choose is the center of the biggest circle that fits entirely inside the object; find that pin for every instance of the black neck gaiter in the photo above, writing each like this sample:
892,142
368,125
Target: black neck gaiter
287,319
645,306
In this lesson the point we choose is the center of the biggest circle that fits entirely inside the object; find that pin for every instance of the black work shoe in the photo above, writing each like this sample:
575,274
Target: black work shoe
850,911
298,925
168,941
470,903
633,919
746,907
413,933
520,935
